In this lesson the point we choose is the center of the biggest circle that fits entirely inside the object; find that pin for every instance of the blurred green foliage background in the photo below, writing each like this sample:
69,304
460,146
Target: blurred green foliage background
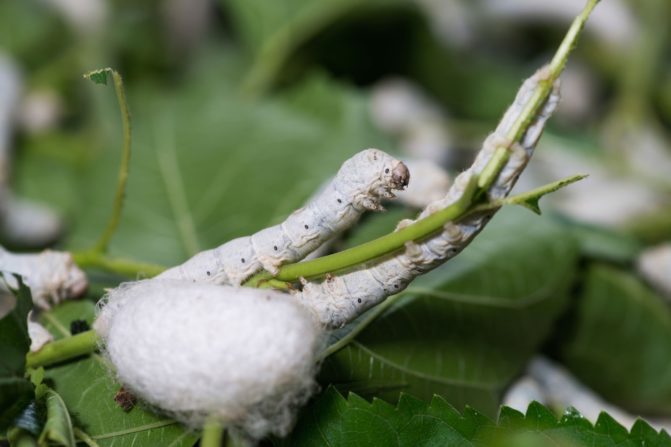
242,108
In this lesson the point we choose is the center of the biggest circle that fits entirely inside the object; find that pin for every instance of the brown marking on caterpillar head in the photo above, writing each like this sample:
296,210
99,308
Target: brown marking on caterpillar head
125,399
400,176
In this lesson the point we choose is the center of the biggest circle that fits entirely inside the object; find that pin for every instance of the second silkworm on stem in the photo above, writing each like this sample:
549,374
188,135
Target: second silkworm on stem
337,300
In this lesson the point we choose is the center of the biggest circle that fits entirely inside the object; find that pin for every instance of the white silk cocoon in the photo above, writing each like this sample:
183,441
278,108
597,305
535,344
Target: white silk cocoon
245,356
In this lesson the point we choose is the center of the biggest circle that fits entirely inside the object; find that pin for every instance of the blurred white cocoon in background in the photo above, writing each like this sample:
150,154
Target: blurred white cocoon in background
655,266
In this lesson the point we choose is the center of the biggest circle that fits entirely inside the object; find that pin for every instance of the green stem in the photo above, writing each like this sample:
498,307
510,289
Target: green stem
100,76
396,240
231,440
213,434
84,437
120,266
528,199
556,66
19,437
64,349
372,249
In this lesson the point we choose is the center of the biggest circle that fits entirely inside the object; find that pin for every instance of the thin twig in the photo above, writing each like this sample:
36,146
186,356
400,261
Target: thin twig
63,349
100,77
554,69
213,434
84,437
120,266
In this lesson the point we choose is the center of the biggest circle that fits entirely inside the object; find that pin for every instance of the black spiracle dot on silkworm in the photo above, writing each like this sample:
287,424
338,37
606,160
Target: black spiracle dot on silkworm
275,247
208,273
339,201
243,260
359,300
306,227
386,171
395,286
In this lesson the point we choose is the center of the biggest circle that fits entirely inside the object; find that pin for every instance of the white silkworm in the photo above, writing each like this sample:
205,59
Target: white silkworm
40,111
339,299
429,183
87,17
551,384
521,393
52,276
10,94
561,389
400,108
28,223
22,222
244,356
655,266
39,335
616,22
361,184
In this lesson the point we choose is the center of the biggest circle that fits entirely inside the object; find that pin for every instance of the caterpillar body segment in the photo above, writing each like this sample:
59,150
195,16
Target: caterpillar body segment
361,184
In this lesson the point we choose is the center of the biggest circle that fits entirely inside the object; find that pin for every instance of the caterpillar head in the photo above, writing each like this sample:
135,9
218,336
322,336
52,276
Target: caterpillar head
390,174
400,175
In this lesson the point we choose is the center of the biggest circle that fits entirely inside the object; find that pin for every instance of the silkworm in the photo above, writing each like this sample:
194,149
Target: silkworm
654,264
52,276
337,300
563,390
361,184
23,222
521,393
400,108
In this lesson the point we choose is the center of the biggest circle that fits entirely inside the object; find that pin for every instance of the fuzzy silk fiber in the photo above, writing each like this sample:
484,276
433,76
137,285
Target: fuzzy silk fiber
245,356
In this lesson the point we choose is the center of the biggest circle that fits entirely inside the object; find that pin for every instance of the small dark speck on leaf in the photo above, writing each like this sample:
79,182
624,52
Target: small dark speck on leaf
125,399
78,326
